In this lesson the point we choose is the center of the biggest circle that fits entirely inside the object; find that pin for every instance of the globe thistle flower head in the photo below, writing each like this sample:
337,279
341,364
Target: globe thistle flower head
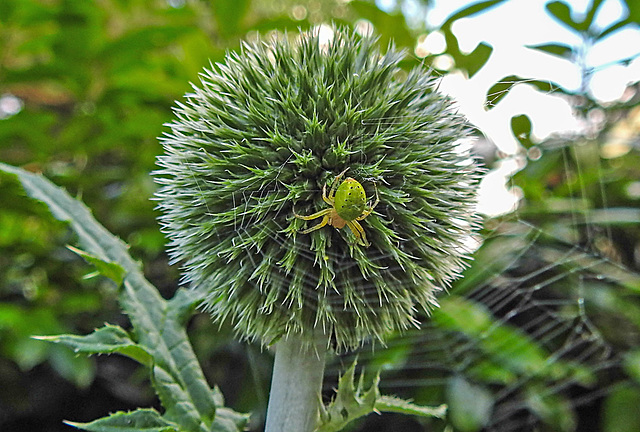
256,143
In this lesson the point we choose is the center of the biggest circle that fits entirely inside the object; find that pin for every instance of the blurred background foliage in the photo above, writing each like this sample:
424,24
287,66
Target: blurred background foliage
85,87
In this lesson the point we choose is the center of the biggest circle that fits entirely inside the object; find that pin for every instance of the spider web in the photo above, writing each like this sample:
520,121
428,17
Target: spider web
540,344
524,339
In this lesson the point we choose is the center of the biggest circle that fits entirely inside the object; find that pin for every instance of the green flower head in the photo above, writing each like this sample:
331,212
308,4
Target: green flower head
251,150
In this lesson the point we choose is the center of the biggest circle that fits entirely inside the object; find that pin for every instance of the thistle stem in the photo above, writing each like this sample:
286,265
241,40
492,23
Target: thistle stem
294,400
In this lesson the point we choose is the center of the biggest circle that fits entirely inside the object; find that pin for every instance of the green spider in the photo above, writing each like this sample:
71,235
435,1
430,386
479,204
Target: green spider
348,203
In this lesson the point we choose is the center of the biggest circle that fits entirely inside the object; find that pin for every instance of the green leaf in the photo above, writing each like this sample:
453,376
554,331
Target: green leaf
521,128
94,238
469,405
226,419
553,409
351,403
397,405
474,61
473,9
621,410
631,364
392,27
108,269
634,11
141,420
130,46
562,12
80,370
157,324
228,15
592,11
505,345
502,88
557,49
106,340
612,28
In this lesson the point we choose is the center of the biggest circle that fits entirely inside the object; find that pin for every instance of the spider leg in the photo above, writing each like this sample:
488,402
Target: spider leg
324,221
327,199
368,211
358,231
334,187
315,215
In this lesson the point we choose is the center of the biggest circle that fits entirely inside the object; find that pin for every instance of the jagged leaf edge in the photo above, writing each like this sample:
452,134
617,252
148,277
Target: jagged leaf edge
140,420
161,329
105,340
351,403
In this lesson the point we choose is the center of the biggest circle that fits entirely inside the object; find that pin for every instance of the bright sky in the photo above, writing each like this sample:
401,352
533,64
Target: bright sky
508,28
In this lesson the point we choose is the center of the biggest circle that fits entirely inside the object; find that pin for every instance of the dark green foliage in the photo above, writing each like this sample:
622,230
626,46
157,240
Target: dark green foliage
97,80
159,339
260,137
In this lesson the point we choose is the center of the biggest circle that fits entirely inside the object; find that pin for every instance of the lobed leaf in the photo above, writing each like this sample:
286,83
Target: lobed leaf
106,340
352,402
141,420
158,325
108,269
402,406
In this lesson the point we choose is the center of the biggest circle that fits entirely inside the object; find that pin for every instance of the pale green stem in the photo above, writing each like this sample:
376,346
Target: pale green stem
294,400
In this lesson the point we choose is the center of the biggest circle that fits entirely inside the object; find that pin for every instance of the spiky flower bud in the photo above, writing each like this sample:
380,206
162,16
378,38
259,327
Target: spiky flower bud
255,144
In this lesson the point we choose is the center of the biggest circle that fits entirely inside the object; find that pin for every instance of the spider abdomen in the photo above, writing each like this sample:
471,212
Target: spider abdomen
350,199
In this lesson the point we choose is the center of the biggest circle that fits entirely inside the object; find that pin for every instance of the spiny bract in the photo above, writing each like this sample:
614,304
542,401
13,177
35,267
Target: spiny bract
257,140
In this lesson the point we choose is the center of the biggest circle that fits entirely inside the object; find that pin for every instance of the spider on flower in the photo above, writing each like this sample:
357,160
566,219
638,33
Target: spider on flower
348,202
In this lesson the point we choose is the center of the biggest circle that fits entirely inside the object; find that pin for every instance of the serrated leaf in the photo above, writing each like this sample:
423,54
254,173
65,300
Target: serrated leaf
352,402
397,405
106,340
94,238
226,419
108,269
159,328
141,420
